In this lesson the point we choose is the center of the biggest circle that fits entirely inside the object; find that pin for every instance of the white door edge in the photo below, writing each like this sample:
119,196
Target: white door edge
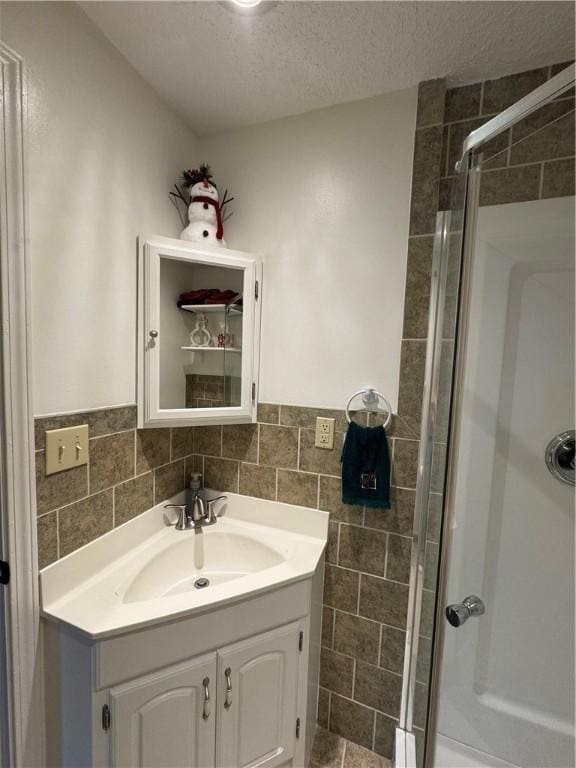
18,507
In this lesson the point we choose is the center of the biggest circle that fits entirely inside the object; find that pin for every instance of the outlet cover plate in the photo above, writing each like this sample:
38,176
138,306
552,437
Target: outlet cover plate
324,433
66,448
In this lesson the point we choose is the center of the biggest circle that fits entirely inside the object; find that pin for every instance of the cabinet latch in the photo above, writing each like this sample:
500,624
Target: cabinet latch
300,640
253,391
106,717
297,727
256,290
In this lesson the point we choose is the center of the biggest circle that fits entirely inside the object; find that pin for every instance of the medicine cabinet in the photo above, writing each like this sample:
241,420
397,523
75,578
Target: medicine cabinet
198,333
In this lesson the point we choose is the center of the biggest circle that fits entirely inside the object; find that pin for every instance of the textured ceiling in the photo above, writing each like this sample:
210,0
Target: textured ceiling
221,70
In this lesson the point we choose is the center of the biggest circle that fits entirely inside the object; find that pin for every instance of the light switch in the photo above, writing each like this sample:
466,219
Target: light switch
324,433
66,448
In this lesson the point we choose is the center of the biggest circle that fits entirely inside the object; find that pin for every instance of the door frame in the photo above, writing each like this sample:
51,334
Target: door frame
17,480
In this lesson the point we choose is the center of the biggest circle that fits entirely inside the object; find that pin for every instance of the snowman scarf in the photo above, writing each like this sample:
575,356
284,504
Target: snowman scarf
203,199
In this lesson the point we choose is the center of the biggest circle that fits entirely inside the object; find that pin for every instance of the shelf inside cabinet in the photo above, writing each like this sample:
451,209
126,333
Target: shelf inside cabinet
212,308
213,349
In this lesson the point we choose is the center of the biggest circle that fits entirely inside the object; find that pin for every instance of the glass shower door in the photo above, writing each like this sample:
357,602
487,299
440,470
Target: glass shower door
505,694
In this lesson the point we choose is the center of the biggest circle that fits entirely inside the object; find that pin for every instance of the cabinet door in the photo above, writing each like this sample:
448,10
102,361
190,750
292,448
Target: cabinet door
198,334
257,700
164,720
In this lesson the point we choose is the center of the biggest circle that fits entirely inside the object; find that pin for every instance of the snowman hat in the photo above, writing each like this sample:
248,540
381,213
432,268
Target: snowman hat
196,175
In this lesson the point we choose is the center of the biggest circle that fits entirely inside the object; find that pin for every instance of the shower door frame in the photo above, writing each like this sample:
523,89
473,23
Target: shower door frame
467,166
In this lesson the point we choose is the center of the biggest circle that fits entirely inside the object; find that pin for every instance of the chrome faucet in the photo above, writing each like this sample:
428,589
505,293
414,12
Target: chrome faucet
196,514
192,514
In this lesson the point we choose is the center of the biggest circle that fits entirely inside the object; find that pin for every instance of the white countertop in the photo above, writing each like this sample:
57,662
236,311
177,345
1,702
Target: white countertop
98,589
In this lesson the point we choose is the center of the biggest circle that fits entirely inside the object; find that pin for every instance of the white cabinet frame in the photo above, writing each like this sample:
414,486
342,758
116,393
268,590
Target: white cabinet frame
150,251
20,676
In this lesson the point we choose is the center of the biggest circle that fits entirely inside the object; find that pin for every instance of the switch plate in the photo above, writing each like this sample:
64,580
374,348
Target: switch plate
66,448
324,433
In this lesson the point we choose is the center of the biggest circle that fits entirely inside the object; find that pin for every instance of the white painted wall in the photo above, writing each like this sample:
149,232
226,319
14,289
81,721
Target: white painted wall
103,152
324,197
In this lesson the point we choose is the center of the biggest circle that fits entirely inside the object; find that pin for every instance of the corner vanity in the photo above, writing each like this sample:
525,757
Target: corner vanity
187,648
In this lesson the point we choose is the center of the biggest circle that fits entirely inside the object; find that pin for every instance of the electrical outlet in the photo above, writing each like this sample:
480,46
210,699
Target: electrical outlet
66,448
324,433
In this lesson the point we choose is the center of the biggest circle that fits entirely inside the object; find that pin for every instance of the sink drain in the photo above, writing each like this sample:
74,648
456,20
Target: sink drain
201,583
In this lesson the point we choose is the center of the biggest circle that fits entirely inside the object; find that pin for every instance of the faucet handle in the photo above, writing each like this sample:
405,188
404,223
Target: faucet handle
183,522
211,514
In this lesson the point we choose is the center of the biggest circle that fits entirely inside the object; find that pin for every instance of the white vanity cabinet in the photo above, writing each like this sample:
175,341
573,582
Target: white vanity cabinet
164,718
198,333
139,674
234,708
257,690
173,695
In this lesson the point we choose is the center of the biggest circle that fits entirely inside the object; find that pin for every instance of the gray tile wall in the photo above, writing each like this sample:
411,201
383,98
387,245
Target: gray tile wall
212,391
128,471
533,160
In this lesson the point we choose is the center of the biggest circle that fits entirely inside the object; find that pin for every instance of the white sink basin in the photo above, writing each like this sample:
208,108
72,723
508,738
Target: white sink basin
207,554
146,572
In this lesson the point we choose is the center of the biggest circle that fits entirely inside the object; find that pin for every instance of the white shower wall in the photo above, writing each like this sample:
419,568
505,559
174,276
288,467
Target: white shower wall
507,685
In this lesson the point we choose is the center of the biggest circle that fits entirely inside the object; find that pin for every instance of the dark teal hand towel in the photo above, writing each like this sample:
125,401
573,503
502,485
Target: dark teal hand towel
366,467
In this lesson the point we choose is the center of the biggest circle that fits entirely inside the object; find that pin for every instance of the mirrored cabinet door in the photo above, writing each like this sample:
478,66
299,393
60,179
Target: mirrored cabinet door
198,334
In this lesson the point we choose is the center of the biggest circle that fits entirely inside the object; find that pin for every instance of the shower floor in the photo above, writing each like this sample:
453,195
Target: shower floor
332,751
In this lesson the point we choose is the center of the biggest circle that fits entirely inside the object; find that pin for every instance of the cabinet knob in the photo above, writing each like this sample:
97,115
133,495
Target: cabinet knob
228,696
153,334
206,706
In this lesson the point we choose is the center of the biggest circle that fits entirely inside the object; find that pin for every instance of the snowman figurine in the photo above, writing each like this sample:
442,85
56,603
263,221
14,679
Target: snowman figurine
204,212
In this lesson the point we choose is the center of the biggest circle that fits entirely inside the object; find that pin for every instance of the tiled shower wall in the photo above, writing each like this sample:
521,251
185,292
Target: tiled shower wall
366,584
532,160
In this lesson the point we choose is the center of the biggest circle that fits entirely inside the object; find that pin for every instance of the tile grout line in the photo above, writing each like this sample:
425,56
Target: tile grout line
57,534
373,575
333,627
298,448
366,706
364,618
386,553
451,177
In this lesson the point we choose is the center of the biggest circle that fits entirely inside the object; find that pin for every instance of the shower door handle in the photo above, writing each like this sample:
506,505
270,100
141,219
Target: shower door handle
459,613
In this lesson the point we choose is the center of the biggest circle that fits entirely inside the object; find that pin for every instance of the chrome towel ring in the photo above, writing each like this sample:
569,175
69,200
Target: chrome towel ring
370,398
